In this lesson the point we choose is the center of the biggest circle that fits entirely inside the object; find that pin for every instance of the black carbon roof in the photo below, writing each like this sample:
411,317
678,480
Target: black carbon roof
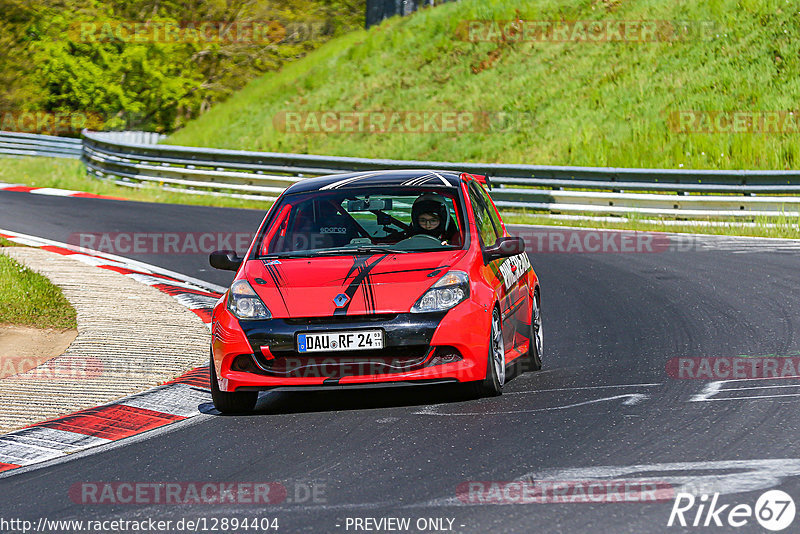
410,178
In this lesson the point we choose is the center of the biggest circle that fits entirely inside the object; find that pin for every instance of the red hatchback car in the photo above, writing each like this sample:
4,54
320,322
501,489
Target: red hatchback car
375,279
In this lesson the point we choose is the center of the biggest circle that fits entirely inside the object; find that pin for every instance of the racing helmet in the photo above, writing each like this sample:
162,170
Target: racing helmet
432,203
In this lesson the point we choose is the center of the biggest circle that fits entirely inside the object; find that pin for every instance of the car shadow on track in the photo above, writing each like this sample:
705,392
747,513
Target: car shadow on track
293,402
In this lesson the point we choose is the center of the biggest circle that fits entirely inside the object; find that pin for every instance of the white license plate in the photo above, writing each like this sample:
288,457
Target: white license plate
338,341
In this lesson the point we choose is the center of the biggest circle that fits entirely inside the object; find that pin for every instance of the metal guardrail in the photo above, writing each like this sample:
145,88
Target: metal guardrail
133,159
26,144
138,138
263,175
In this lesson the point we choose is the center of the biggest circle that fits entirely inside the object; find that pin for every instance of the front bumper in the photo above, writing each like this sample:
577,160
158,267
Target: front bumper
418,349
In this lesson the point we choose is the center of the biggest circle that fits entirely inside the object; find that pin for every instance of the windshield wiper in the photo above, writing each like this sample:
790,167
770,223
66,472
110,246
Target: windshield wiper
285,255
365,249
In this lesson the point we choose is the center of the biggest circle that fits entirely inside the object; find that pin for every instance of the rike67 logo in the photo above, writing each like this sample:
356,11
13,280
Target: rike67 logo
774,510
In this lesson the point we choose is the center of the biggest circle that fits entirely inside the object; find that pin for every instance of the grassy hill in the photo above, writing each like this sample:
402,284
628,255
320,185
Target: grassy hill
566,103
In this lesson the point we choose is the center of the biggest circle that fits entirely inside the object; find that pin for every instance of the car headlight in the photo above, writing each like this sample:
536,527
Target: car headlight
448,291
244,303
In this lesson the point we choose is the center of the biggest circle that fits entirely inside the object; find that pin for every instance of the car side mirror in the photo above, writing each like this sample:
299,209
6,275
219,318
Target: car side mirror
225,260
504,247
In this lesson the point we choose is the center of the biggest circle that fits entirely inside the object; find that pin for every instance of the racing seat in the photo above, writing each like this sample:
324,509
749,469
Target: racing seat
331,228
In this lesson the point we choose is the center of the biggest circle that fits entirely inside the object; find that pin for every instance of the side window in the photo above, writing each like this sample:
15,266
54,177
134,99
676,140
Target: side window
483,219
498,226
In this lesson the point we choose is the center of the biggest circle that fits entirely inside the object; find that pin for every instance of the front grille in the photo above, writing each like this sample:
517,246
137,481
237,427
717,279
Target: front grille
400,329
338,364
341,319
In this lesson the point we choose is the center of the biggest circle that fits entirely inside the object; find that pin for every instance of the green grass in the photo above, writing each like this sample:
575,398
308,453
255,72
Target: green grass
30,299
71,174
603,104
780,226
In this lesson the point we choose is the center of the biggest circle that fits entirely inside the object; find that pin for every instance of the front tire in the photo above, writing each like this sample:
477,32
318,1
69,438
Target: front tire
230,402
492,384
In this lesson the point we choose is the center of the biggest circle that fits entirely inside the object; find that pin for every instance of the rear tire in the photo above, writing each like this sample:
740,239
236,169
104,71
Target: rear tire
492,384
230,402
537,340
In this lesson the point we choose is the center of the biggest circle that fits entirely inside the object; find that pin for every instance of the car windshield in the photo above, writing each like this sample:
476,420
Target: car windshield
365,222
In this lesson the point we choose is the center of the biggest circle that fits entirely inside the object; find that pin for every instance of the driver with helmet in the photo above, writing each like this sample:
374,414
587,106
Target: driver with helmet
430,216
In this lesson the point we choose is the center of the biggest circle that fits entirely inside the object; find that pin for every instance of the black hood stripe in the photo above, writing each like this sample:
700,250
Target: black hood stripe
277,279
400,271
360,272
439,268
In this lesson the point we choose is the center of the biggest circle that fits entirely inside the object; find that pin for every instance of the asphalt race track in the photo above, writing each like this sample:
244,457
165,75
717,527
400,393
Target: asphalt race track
604,408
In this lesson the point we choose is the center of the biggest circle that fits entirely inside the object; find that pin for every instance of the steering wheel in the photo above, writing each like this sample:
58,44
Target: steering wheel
420,238
426,236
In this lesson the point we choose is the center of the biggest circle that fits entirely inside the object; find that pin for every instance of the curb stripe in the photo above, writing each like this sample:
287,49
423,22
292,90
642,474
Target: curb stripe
58,250
199,377
198,300
51,191
53,438
127,271
102,258
176,400
26,454
172,290
18,189
205,316
114,421
81,194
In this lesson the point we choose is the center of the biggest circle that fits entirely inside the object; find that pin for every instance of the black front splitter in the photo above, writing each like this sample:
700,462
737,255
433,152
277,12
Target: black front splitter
333,385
